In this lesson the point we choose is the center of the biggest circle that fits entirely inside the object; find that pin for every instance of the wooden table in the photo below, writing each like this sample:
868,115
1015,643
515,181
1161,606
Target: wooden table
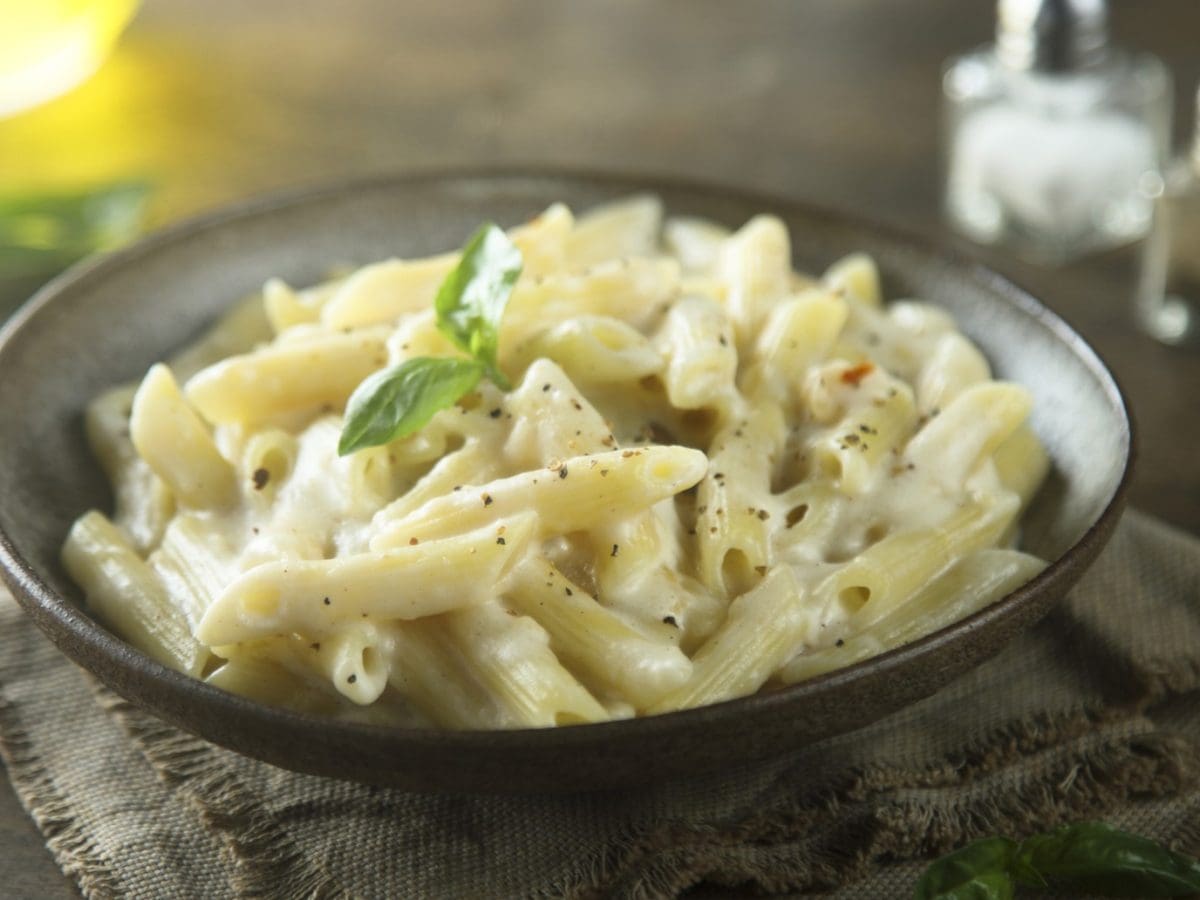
832,101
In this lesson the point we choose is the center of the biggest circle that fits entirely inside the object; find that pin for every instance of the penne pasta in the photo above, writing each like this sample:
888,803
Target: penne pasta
168,434
285,378
604,650
575,493
315,596
127,595
593,467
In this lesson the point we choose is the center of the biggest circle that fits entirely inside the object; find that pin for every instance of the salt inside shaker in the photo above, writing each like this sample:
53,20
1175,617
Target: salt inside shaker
1052,133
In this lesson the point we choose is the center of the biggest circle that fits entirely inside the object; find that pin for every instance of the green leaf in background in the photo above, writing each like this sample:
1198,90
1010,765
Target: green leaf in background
979,871
1094,857
394,402
471,301
42,233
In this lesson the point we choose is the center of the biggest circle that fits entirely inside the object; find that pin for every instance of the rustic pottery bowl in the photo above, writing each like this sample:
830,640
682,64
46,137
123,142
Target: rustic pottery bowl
106,321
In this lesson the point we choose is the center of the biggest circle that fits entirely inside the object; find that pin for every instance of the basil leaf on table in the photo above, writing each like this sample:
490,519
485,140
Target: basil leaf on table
471,301
43,232
397,401
1092,856
979,871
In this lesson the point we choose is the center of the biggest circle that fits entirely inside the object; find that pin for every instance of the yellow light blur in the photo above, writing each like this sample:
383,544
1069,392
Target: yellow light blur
48,47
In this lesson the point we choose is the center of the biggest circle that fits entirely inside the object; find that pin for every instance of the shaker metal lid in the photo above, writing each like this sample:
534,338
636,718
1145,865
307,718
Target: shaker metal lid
1051,35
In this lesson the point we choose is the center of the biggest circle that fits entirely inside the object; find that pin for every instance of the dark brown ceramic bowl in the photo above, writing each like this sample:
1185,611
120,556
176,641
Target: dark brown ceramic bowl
105,322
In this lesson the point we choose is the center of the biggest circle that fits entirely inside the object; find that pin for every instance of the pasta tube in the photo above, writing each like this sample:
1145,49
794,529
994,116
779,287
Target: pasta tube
287,377
578,493
169,435
763,630
127,595
314,596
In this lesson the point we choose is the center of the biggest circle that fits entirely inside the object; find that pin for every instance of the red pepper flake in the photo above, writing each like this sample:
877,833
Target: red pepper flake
412,542
855,374
261,477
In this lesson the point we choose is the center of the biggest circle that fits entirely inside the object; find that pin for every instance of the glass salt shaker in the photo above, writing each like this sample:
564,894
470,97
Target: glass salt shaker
1052,134
1168,295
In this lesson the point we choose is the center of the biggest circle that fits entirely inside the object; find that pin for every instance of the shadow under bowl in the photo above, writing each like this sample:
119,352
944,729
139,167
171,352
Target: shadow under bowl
105,322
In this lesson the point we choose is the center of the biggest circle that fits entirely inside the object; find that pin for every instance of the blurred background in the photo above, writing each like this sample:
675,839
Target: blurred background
835,102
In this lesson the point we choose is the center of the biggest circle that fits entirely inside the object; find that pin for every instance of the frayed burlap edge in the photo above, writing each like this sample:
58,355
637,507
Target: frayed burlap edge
73,849
1026,777
264,860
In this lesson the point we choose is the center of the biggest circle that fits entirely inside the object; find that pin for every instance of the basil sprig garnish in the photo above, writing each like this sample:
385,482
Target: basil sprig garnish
400,400
1089,856
471,301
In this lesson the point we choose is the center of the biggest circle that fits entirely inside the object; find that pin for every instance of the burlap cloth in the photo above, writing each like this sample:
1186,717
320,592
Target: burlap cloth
1095,713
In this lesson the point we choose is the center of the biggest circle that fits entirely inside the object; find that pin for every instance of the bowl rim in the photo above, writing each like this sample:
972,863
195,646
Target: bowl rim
65,622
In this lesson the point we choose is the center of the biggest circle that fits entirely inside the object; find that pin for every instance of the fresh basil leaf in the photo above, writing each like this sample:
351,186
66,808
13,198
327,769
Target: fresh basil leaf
471,301
1094,857
979,871
43,232
985,886
394,402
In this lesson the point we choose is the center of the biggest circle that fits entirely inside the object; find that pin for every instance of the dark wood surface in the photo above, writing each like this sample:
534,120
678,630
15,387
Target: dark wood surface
831,101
